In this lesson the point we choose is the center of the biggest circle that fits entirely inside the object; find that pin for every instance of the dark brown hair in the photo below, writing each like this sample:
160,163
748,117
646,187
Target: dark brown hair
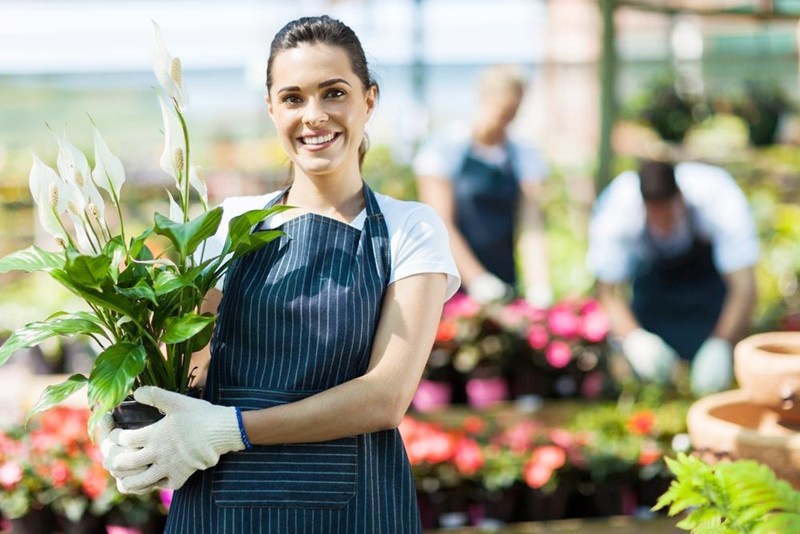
329,31
657,181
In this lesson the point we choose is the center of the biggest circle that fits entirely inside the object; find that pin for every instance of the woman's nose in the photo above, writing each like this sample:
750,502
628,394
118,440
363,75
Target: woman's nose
314,114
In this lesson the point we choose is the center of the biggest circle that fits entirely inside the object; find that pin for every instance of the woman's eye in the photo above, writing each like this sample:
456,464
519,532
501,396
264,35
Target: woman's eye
334,93
290,99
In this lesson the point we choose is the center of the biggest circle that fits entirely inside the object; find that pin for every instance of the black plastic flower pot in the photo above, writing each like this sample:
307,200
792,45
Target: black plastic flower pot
132,414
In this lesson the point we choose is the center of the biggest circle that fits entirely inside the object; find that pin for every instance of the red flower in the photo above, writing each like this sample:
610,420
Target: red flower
473,424
10,475
95,481
537,475
552,456
641,423
468,457
447,330
558,354
59,473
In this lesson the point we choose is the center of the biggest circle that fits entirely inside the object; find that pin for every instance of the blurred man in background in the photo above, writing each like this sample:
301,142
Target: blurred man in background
682,239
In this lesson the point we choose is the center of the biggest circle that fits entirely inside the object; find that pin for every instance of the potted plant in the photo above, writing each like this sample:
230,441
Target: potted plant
144,308
761,105
742,496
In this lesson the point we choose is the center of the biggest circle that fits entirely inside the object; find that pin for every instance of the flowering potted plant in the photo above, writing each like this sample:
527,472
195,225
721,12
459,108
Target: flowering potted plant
144,310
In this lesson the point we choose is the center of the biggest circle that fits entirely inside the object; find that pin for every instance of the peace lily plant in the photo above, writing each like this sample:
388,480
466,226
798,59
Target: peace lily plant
144,311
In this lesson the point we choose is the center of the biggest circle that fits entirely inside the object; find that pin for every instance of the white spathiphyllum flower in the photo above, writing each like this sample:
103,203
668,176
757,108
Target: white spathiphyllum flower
173,159
197,180
74,169
175,211
45,186
168,70
108,170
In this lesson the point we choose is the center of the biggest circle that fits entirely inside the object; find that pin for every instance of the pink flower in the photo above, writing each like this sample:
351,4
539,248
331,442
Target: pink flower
166,497
558,354
592,385
10,475
561,437
562,321
538,337
468,457
595,326
460,305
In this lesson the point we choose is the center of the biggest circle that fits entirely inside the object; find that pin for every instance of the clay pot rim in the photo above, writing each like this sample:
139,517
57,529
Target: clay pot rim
752,348
699,416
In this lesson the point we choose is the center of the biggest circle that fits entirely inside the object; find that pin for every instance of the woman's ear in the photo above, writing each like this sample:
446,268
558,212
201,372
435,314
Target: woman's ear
371,98
269,107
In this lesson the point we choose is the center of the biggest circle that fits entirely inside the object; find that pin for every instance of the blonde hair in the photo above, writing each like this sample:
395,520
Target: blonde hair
502,78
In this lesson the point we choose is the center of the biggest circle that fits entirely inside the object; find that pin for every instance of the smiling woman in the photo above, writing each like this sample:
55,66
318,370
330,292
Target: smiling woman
321,336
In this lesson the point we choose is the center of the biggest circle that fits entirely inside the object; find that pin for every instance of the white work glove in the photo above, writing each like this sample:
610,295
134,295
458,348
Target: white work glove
539,296
649,355
486,288
192,435
110,450
712,367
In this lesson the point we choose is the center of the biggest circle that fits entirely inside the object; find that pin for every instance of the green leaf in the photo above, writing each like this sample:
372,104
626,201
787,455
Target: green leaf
178,329
110,301
187,236
58,393
60,324
255,241
31,259
88,271
241,225
141,290
200,340
113,375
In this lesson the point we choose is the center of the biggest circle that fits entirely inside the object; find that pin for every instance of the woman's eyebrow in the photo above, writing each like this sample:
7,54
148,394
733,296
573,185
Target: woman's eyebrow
326,83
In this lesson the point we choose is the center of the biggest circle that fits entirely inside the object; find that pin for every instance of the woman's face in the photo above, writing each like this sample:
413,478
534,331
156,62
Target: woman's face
319,107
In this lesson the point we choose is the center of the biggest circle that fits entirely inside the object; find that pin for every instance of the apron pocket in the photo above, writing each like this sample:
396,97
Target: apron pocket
303,475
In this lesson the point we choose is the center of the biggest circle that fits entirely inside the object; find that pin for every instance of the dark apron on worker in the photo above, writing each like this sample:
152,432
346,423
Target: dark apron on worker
298,317
679,298
486,206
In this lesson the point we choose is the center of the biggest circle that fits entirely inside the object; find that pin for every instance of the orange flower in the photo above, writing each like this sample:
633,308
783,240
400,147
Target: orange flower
537,475
95,481
641,423
552,456
473,424
446,331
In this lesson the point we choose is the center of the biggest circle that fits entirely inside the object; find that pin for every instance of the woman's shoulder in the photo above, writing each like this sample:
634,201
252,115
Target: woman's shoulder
236,205
401,213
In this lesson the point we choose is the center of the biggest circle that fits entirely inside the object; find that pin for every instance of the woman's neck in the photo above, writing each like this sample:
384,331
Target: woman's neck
338,199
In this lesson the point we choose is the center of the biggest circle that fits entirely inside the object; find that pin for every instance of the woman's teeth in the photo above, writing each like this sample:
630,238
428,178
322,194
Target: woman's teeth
319,140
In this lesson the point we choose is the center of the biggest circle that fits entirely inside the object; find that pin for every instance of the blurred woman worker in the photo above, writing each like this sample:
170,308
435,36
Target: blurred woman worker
487,188
684,238
322,335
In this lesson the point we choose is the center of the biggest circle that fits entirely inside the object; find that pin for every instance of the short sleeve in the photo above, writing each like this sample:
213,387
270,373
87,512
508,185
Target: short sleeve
231,207
614,230
531,166
723,214
420,244
438,157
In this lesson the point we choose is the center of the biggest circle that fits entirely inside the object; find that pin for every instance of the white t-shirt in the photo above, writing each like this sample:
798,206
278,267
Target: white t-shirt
722,215
442,157
418,238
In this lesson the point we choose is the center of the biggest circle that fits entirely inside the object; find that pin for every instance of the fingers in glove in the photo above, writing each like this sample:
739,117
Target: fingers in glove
129,459
166,401
143,482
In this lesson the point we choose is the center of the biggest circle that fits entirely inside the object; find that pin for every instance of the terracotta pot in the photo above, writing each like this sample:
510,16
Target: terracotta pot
728,425
767,367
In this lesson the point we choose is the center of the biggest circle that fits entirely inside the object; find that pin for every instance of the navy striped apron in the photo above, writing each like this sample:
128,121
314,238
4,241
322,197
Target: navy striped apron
298,317
679,298
486,206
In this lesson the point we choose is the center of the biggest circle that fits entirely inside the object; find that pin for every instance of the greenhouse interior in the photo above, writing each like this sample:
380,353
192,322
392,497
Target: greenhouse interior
617,348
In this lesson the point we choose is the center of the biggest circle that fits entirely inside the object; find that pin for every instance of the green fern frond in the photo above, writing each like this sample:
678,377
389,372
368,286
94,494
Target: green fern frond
779,523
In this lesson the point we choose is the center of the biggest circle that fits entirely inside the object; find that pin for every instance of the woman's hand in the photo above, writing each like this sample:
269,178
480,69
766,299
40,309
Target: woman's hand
192,436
